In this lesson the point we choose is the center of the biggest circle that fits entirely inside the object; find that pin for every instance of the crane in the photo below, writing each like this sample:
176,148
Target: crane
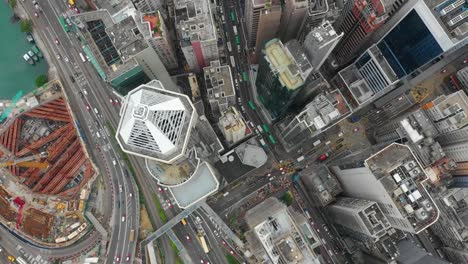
27,162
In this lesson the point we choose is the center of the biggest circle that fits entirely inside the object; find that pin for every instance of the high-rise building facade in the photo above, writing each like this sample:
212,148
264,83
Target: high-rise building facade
395,180
118,49
147,6
317,12
418,38
196,33
359,19
262,19
282,72
159,39
320,42
324,111
291,19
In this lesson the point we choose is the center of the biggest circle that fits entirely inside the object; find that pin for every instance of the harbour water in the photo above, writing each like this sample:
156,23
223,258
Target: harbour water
15,73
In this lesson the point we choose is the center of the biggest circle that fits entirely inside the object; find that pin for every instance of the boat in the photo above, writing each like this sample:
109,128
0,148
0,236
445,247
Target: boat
36,50
28,59
29,37
33,56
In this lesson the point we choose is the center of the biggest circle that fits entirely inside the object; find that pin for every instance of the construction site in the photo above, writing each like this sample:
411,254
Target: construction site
45,173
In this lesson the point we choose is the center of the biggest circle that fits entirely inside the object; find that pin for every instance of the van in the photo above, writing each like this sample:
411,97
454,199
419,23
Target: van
98,135
95,110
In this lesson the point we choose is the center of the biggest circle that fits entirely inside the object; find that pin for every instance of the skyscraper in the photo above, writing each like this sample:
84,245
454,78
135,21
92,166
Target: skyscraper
418,38
282,73
324,111
320,42
358,20
262,19
159,39
291,18
395,180
164,128
196,33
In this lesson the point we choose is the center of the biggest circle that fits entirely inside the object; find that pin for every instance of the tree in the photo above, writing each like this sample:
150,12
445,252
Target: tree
26,26
12,3
287,198
41,80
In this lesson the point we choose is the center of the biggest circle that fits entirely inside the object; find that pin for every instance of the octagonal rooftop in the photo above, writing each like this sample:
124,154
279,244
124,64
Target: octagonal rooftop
155,123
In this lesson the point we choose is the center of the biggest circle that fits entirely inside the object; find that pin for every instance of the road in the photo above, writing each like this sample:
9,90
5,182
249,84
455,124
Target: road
82,93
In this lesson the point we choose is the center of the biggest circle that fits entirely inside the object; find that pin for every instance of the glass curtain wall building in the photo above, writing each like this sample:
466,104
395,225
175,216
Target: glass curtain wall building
415,40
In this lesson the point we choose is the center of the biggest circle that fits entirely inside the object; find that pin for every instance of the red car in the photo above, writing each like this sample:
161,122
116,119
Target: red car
169,204
323,157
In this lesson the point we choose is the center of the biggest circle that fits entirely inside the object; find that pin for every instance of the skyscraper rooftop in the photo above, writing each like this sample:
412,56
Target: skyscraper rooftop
194,20
289,62
155,123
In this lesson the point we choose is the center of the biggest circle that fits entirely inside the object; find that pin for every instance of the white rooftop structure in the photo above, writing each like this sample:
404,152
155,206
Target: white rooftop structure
204,179
155,123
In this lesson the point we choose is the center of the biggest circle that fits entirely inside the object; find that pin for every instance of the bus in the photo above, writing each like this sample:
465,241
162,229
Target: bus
251,104
233,16
272,139
20,260
83,59
229,46
64,24
265,127
203,244
244,76
233,62
183,221
132,235
234,28
237,39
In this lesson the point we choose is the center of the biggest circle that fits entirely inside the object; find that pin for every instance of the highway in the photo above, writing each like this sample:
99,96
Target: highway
86,90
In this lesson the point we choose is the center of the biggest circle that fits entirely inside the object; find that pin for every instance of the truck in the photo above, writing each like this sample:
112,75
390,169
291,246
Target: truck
132,235
316,143
301,158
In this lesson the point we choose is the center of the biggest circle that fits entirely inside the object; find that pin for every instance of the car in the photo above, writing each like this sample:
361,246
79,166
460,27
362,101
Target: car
130,195
127,258
66,59
216,233
202,261
224,243
56,41
123,218
340,140
323,157
160,189
325,228
188,237
85,92
76,10
111,101
356,129
339,146
120,188
36,14
169,204
443,71
58,57
116,101
117,259
465,61
88,107
232,252
72,79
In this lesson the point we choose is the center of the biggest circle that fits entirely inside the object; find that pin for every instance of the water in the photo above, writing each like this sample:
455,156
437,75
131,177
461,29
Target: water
15,73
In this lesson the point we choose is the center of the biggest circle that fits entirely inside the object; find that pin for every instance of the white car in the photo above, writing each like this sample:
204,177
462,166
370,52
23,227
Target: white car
130,195
123,218
120,188
66,59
